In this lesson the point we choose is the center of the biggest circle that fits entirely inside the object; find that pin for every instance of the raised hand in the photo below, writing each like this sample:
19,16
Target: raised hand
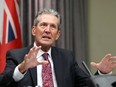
30,60
106,65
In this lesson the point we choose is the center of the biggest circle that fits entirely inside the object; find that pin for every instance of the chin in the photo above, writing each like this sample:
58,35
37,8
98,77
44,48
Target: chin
45,44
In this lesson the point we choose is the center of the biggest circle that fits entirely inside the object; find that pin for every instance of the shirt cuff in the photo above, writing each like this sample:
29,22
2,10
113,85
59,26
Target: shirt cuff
104,74
17,75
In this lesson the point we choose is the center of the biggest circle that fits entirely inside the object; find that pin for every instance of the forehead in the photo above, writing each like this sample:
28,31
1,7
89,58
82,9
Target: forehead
48,18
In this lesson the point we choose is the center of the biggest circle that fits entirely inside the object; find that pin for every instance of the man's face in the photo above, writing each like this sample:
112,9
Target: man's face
46,32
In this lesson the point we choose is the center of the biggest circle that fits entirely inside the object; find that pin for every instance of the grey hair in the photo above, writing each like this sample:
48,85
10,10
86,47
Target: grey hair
47,11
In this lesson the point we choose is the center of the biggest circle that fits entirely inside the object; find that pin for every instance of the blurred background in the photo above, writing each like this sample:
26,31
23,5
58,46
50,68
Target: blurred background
88,26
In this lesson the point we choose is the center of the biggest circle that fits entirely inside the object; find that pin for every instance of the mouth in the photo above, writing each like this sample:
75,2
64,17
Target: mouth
46,37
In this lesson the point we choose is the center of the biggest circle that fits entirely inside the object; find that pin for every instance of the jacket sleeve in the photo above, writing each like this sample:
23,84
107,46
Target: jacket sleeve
6,77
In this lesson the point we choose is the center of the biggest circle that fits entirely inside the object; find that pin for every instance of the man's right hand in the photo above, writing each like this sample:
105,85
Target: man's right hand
30,60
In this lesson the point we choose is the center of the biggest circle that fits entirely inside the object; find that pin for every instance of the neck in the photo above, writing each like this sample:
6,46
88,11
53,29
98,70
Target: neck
45,48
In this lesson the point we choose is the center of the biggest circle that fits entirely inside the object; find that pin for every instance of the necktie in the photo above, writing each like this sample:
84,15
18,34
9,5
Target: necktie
47,73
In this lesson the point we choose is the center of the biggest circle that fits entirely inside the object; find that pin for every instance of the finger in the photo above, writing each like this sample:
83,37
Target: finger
42,62
94,64
26,56
113,58
106,57
37,48
33,51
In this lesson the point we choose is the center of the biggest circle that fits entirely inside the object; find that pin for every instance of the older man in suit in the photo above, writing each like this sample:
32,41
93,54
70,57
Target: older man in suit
24,66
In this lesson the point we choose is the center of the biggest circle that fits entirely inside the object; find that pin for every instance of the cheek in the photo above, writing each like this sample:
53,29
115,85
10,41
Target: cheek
35,32
38,35
39,32
56,36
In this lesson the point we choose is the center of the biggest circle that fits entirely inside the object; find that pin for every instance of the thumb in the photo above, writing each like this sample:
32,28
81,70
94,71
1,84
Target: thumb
94,64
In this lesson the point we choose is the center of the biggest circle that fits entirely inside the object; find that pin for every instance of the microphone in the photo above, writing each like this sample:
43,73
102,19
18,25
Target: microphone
87,69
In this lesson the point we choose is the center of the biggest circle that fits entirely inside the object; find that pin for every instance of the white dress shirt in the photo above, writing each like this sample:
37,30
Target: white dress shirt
17,76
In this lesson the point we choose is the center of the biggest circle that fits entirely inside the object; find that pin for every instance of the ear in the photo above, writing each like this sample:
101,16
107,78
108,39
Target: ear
58,35
33,30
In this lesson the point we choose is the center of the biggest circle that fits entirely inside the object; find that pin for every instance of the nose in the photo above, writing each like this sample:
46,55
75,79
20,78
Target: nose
47,29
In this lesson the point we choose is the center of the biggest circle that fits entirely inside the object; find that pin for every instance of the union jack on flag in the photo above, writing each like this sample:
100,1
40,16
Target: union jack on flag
10,36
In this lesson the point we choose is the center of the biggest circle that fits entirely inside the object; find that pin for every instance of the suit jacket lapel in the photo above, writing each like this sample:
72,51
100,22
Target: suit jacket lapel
58,66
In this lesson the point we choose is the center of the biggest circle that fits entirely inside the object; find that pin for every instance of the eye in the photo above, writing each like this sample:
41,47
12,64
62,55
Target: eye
43,25
53,26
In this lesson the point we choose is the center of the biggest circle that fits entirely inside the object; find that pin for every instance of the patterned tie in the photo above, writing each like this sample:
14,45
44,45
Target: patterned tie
47,73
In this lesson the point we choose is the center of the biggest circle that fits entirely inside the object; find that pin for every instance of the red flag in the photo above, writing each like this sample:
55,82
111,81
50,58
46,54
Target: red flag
11,35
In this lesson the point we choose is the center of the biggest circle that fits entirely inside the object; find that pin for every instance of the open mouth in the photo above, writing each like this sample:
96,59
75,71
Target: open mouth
46,37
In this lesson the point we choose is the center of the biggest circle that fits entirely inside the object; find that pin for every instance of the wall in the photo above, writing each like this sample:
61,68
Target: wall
101,29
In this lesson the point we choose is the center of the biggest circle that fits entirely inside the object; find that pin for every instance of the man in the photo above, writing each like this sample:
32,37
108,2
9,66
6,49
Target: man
25,66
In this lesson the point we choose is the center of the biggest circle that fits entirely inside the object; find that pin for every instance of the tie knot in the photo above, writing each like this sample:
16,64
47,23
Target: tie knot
45,56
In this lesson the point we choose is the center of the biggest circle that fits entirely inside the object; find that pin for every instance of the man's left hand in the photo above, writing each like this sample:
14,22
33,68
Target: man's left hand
106,65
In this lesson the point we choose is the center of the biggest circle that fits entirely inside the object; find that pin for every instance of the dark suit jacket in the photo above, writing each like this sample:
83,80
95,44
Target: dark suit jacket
67,72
